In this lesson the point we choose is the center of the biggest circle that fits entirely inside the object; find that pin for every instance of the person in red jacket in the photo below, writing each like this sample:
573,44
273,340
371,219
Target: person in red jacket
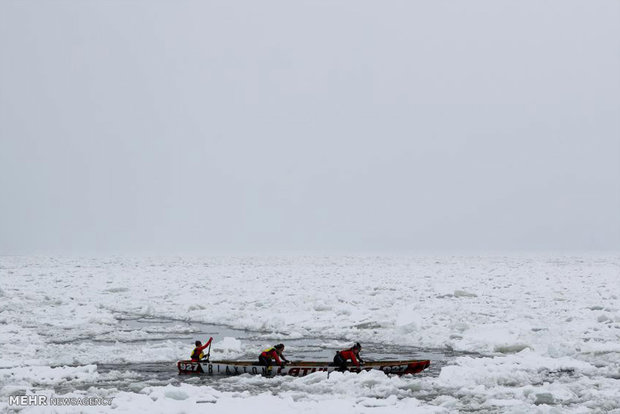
273,353
197,353
353,354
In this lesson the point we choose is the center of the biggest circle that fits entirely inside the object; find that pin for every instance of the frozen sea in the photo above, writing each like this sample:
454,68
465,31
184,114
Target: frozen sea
515,334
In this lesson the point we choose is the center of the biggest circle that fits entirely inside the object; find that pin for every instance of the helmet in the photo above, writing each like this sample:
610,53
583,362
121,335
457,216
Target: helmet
198,343
279,346
357,345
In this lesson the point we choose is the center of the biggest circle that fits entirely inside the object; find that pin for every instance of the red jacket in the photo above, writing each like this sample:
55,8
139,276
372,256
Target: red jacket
349,354
197,353
271,353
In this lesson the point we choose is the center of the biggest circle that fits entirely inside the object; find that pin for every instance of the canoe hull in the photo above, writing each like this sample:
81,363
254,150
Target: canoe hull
295,369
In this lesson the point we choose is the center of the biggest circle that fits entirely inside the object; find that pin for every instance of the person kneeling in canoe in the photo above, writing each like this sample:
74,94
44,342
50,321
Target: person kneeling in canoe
197,353
353,354
273,353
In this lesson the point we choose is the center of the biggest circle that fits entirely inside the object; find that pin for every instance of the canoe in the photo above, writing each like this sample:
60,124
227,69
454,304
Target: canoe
295,369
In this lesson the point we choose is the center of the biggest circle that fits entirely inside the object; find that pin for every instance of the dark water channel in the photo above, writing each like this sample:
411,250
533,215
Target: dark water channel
136,376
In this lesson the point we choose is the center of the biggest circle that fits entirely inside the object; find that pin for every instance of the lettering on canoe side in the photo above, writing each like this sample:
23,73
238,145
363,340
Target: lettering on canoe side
189,366
194,367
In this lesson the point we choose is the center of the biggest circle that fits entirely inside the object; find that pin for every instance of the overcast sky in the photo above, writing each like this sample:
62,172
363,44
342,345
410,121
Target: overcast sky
309,126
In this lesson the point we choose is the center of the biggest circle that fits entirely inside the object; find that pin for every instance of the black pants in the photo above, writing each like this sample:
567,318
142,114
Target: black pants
263,360
340,362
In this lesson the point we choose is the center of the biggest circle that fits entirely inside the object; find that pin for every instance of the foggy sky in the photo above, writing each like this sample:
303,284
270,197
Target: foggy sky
309,126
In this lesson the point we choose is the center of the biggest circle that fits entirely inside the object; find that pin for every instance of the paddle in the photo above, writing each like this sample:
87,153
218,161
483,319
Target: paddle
209,352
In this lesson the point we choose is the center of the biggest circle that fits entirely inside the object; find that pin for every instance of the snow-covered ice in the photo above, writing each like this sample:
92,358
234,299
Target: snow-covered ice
543,331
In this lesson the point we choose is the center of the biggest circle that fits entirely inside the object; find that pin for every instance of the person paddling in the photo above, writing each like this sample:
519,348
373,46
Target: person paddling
197,353
352,354
273,353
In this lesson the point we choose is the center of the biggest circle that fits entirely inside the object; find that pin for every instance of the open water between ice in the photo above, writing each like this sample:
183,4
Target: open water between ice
133,377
